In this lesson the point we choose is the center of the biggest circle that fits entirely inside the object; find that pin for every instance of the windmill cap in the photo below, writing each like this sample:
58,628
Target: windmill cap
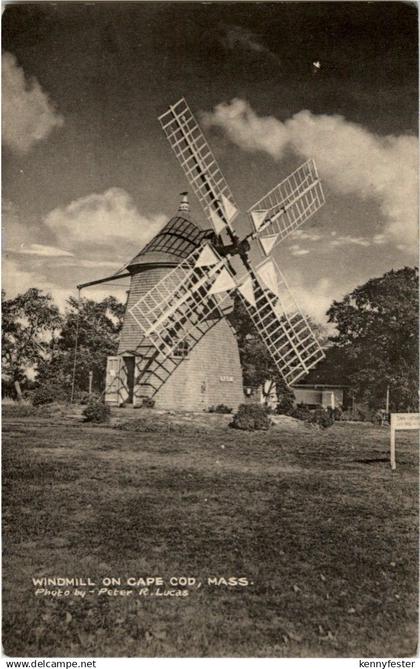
174,242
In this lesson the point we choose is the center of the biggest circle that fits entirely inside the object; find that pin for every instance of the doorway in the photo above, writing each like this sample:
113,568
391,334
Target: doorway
130,366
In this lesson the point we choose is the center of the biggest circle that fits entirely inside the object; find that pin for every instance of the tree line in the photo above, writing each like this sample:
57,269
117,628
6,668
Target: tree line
38,342
375,345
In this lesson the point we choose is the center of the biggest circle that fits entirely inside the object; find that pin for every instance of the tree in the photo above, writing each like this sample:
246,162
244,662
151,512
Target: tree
97,325
377,341
30,324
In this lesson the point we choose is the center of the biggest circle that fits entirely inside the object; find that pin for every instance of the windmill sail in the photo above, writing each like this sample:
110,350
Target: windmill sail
287,206
281,325
199,164
182,304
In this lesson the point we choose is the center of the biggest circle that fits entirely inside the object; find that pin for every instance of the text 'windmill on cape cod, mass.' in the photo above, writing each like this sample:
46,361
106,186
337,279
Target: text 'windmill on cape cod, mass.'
176,345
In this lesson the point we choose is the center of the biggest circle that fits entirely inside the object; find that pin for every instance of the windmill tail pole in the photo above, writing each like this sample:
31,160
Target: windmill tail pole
76,343
107,279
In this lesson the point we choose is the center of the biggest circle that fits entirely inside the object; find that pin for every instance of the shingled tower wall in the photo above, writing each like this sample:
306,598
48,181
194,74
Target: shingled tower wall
209,374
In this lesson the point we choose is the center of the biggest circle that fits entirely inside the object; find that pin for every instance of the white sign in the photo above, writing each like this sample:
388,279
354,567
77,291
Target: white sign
402,421
405,421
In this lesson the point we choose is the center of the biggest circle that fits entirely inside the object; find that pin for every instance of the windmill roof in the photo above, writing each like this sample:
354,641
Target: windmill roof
175,241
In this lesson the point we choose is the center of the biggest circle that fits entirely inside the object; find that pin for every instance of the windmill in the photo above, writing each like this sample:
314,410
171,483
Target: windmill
182,305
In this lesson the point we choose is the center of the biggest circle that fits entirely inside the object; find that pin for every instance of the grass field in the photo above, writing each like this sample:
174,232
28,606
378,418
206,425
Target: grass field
316,520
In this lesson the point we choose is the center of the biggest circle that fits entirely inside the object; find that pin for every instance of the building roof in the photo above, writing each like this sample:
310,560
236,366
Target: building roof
328,371
177,239
320,386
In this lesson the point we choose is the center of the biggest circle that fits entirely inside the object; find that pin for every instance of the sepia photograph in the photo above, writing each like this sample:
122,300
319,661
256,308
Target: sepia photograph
210,330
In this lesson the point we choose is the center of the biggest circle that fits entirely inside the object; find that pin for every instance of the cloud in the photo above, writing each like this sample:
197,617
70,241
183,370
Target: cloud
83,262
20,239
17,278
246,129
345,240
313,300
236,37
13,232
296,250
94,227
28,115
43,250
306,236
103,220
316,300
350,159
28,263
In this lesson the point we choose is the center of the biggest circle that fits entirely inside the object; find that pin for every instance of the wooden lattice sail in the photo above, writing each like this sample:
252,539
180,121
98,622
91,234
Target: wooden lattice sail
199,165
183,300
281,324
287,206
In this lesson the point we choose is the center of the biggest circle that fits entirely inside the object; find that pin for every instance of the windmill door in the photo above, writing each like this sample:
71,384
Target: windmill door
129,364
113,381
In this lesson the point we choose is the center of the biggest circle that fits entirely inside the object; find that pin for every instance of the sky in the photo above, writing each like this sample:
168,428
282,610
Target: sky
89,178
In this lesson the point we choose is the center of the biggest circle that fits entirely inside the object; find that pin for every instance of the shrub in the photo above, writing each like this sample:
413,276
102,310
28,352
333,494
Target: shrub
286,402
285,407
301,412
322,418
28,394
220,408
251,417
96,412
84,397
47,393
336,414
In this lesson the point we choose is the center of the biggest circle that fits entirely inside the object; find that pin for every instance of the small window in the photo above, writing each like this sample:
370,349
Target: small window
182,349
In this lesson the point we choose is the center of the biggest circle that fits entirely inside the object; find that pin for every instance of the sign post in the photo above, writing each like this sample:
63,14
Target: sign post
402,421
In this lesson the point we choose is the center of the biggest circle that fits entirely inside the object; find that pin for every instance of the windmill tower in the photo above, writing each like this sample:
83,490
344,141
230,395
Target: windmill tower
203,367
176,346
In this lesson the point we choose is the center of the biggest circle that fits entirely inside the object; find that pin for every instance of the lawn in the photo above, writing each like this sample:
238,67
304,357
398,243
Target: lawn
323,530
